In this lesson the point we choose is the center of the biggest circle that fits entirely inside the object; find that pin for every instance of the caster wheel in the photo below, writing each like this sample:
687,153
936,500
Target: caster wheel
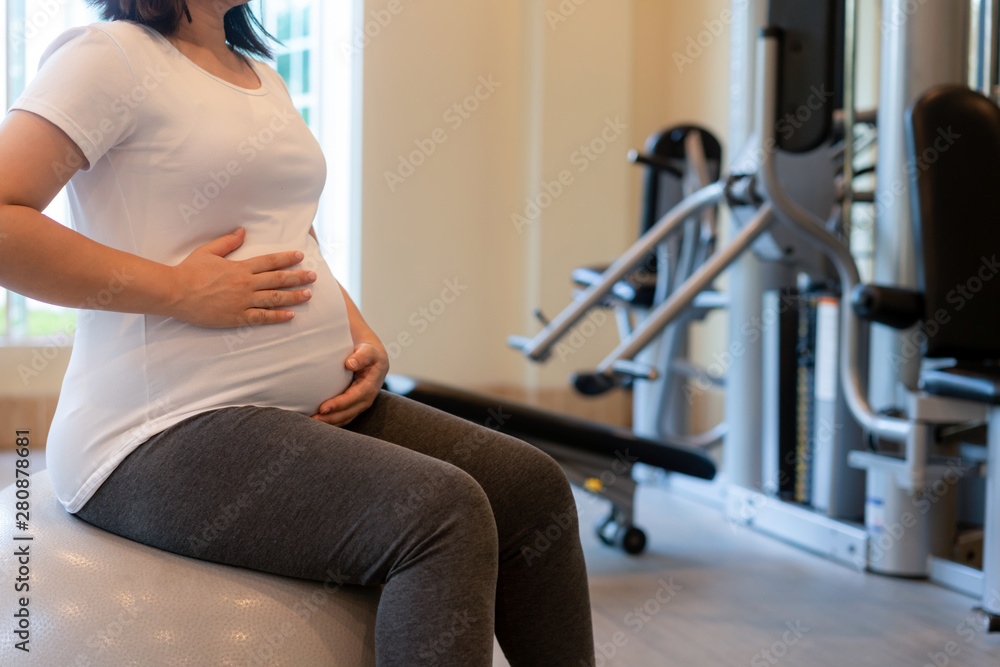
990,621
631,540
626,537
604,527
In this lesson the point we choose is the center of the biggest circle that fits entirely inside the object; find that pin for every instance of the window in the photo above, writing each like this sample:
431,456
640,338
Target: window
30,25
316,38
289,21
310,32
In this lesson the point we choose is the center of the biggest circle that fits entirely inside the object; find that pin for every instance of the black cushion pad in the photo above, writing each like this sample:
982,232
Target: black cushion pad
975,384
538,427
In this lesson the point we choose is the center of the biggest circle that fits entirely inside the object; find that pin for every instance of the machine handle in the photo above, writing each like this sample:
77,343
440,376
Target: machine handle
892,306
593,384
518,342
657,163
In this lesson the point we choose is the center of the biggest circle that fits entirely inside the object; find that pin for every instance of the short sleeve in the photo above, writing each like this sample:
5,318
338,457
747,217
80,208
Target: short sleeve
86,87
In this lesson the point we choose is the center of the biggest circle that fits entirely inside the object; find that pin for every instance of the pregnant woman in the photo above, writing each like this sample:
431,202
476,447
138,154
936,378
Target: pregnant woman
218,361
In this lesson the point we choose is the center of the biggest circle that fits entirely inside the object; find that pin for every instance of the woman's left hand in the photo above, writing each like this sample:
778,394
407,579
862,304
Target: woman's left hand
370,364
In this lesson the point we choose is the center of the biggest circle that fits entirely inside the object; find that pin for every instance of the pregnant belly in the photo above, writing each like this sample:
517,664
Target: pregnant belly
295,365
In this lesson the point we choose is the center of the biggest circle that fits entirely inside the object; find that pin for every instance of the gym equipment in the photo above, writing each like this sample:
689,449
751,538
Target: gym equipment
739,189
796,60
93,598
596,457
680,160
760,189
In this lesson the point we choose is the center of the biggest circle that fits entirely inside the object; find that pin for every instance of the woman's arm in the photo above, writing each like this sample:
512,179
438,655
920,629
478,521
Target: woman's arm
44,260
360,331
370,363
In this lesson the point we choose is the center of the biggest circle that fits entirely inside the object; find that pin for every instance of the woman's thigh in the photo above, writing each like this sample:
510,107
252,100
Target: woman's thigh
280,492
525,486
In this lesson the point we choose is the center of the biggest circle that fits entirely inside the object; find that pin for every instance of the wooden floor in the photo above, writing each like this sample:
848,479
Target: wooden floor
740,598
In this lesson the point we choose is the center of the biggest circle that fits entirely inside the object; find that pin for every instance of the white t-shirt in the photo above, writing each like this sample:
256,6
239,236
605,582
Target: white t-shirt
178,157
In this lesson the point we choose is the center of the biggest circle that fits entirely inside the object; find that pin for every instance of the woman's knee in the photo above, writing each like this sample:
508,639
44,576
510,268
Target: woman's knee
537,512
450,501
545,477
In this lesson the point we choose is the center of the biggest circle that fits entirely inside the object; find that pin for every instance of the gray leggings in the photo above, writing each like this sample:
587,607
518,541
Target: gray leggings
444,512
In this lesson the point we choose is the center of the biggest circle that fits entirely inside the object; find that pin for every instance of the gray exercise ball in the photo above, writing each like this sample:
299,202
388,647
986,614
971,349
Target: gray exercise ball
96,599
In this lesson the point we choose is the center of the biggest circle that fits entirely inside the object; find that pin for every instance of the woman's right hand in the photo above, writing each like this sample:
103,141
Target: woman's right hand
215,292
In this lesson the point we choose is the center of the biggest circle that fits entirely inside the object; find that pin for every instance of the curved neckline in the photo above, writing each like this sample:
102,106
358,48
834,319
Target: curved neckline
261,90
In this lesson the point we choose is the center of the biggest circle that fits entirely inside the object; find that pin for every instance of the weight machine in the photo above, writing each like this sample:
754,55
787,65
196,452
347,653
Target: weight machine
790,199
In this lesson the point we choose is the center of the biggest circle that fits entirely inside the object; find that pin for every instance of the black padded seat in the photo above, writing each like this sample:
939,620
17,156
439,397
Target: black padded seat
953,135
981,384
954,141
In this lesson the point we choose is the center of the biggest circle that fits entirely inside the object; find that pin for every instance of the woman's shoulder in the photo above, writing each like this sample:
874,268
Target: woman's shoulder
123,31
130,39
110,48
130,36
138,40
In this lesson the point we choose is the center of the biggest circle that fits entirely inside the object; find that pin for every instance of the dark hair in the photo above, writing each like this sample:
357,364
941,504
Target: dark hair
243,30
